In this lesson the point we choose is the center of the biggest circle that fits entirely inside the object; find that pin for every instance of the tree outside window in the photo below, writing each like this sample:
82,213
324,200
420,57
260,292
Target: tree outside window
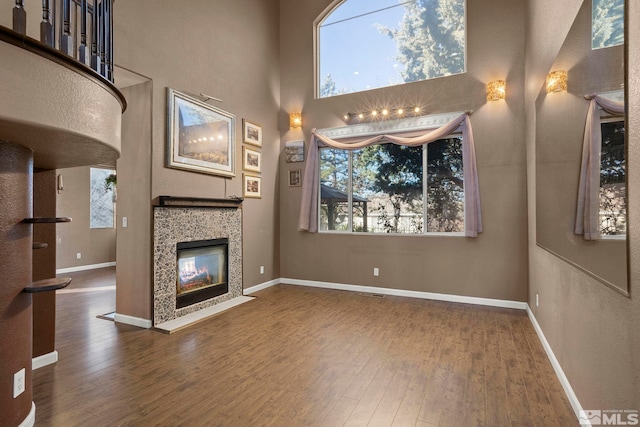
383,188
613,200
377,43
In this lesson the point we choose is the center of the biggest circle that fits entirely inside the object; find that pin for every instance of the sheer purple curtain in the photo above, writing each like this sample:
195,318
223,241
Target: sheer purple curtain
587,221
308,220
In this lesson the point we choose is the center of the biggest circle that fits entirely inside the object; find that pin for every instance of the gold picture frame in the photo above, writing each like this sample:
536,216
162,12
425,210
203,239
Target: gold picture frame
251,133
251,186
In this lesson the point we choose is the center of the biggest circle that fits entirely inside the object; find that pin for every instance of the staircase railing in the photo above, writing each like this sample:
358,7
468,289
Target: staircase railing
81,29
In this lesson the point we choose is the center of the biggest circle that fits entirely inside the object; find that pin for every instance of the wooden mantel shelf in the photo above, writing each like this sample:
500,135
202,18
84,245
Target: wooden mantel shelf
196,202
47,285
44,220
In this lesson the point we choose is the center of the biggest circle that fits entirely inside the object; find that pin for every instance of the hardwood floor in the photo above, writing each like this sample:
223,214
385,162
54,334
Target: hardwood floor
299,356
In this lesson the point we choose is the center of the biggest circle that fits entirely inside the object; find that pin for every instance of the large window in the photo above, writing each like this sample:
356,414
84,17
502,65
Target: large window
607,23
368,44
613,201
389,188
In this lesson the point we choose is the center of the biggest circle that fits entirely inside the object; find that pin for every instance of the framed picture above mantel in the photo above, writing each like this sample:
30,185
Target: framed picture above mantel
200,137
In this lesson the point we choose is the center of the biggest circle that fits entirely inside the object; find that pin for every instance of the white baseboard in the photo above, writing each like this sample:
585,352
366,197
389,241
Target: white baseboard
44,360
131,320
411,294
261,286
31,418
84,267
564,381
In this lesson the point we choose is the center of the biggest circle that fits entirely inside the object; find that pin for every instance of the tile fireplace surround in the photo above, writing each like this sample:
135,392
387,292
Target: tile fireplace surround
185,219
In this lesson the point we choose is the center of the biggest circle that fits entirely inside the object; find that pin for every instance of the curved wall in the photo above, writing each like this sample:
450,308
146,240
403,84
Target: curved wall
67,118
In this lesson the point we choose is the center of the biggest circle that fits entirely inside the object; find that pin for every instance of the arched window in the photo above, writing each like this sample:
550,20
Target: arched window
368,44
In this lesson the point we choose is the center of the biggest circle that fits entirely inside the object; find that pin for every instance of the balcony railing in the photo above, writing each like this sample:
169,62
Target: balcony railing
81,29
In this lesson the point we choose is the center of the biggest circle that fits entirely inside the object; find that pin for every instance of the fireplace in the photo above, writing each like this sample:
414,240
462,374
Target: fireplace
201,270
183,227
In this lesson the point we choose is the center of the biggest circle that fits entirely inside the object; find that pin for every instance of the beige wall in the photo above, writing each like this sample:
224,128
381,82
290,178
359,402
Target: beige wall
492,266
96,245
593,330
227,49
134,253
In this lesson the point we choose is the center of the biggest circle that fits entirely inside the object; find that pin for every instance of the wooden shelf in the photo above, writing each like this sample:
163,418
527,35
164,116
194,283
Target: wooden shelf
45,220
196,202
47,285
39,245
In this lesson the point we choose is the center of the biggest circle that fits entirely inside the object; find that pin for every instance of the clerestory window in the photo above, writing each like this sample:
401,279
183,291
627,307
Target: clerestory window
368,44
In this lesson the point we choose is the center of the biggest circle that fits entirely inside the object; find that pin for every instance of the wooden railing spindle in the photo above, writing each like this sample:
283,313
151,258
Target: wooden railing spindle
103,37
84,55
66,42
20,18
109,49
46,26
95,37
81,29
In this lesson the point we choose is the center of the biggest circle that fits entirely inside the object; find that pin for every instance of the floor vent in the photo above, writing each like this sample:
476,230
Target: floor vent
371,295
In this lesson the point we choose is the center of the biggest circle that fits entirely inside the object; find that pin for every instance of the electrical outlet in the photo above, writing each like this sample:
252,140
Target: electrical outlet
537,301
18,383
376,271
125,222
79,255
262,269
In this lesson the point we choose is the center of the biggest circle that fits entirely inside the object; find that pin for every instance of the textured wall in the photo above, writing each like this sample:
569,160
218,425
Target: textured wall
96,245
65,117
134,243
16,189
227,49
492,266
44,263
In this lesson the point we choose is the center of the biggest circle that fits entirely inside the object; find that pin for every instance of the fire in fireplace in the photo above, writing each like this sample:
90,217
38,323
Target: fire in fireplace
202,268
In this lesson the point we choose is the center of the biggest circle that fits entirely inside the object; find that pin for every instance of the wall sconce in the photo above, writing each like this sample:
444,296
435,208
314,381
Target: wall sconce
557,81
295,120
496,90
59,184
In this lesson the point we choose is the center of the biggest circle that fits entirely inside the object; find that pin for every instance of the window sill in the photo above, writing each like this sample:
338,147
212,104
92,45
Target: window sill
615,237
435,234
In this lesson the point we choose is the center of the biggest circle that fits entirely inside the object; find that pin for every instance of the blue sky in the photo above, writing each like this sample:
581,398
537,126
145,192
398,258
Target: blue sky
346,47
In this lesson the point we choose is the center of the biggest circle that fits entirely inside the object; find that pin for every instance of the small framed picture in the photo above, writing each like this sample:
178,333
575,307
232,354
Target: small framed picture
251,160
252,133
294,151
295,178
252,186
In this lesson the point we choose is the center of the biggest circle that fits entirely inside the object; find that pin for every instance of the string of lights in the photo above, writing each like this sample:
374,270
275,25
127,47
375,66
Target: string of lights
382,114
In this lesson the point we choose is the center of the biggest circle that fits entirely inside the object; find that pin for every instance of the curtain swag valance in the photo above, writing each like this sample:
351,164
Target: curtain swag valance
308,220
587,212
